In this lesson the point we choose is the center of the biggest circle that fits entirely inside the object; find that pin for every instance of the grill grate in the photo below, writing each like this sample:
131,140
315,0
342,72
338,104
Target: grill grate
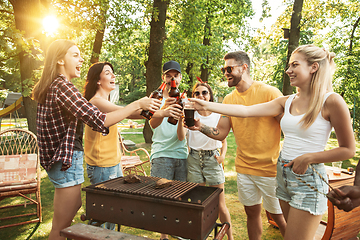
147,187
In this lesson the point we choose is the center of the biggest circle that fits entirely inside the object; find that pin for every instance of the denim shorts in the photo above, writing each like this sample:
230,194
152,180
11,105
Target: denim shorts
169,168
204,168
298,194
72,176
100,174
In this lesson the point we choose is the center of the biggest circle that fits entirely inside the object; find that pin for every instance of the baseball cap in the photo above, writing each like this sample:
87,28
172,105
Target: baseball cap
171,65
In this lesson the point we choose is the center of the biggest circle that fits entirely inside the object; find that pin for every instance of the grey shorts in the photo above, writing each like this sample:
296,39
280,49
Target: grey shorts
169,168
204,168
290,189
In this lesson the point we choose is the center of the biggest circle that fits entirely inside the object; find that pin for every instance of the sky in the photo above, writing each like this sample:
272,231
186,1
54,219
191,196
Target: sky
277,7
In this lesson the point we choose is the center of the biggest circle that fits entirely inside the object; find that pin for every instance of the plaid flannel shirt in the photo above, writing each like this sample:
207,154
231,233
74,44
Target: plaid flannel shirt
57,120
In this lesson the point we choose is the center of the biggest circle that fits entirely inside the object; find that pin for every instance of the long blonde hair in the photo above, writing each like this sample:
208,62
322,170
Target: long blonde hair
55,53
321,81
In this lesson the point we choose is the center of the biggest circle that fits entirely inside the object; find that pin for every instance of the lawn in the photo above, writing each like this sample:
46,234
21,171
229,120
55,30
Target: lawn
238,216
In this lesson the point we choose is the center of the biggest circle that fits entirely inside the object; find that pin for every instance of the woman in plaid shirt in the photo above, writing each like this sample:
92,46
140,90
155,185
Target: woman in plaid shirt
61,109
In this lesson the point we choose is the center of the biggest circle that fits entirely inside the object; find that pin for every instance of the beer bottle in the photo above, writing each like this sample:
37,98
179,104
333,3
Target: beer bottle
158,94
179,101
174,91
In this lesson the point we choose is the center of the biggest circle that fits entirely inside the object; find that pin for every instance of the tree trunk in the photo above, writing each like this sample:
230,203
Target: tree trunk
99,35
97,45
154,62
206,42
293,42
30,111
26,14
188,69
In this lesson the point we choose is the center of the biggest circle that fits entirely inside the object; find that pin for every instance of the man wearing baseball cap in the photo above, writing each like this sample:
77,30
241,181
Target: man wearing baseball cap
168,154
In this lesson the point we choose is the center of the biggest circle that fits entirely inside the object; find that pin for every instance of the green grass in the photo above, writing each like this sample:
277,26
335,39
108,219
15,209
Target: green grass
238,216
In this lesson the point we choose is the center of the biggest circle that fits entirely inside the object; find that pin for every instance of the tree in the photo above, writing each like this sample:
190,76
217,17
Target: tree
344,40
9,39
27,21
198,32
154,62
294,38
104,6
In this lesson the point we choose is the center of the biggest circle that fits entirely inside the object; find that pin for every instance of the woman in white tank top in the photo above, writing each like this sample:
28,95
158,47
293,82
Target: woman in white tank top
308,117
205,160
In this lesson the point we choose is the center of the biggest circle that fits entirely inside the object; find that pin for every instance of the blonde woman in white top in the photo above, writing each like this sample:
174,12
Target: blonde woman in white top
309,115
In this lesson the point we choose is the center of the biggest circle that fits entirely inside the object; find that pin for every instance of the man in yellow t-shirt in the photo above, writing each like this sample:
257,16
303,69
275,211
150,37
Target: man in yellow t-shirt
258,143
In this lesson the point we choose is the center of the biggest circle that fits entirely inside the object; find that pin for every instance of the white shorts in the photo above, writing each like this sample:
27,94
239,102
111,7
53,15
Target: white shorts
253,190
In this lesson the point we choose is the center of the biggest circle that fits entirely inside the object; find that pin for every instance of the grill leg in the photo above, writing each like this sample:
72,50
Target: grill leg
224,227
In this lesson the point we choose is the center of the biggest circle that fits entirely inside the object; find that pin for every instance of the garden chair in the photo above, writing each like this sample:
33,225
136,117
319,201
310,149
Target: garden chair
131,162
19,177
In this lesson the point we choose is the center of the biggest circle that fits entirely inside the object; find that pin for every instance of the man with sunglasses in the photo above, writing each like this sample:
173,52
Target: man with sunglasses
258,143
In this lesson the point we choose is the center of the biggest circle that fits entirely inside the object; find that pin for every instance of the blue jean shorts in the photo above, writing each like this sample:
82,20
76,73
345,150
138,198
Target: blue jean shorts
72,176
204,168
169,168
100,174
298,194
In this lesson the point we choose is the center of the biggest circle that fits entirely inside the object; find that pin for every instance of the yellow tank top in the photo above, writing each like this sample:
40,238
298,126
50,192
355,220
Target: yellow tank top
100,150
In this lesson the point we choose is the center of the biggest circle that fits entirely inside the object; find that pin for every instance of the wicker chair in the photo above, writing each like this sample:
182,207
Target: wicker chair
19,175
130,160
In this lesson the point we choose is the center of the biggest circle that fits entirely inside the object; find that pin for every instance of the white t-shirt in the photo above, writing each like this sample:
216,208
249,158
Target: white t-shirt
199,141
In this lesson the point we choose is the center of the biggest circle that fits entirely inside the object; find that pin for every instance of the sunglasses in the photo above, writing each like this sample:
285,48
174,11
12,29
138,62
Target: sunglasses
204,93
229,69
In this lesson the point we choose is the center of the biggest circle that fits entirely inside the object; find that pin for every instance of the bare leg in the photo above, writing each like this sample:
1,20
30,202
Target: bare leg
254,224
285,207
301,225
224,214
67,201
280,221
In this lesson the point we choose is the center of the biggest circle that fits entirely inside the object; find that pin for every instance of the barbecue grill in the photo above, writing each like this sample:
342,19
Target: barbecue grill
183,209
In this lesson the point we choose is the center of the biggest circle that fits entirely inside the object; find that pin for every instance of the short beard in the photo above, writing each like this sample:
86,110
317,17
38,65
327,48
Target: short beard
234,81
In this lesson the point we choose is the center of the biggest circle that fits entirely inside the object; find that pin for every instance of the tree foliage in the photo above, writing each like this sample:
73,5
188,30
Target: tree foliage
191,22
329,24
198,34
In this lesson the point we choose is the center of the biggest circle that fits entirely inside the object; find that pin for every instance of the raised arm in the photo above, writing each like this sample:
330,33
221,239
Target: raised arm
116,116
268,109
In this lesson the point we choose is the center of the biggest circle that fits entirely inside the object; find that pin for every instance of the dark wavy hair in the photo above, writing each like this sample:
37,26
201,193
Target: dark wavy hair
198,84
92,78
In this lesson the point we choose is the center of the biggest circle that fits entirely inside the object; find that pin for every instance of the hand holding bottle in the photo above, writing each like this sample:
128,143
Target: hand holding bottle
150,104
180,105
157,94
